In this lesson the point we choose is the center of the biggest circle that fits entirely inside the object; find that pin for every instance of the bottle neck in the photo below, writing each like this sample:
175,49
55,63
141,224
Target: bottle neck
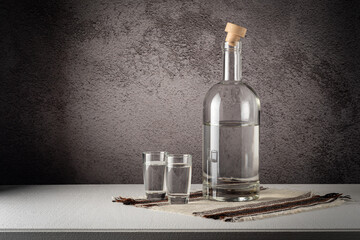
232,62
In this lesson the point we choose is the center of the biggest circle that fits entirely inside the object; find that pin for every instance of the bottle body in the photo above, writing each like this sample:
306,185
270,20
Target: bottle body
231,119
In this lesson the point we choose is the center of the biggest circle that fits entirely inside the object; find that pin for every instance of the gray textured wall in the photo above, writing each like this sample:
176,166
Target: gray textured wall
86,86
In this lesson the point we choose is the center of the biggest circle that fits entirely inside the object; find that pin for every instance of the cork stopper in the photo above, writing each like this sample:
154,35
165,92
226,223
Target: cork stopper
235,32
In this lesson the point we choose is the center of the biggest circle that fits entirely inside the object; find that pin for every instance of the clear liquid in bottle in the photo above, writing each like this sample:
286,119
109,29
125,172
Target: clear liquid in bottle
232,161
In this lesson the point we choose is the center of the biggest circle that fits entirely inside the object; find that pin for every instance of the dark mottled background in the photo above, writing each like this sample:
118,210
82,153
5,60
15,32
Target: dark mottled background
86,86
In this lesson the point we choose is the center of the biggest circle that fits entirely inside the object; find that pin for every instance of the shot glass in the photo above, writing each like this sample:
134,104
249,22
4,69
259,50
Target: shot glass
154,175
178,177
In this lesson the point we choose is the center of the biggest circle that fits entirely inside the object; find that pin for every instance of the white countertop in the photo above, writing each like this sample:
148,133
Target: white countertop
89,208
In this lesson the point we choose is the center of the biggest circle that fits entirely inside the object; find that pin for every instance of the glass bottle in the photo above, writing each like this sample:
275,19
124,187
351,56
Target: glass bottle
231,118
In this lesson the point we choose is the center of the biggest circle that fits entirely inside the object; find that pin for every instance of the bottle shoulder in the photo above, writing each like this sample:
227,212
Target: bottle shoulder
226,102
231,91
231,103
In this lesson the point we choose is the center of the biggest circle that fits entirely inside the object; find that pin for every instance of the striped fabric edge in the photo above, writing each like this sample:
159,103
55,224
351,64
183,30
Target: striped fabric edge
254,205
295,210
301,203
140,202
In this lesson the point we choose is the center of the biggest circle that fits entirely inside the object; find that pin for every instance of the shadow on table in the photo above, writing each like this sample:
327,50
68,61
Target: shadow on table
9,188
